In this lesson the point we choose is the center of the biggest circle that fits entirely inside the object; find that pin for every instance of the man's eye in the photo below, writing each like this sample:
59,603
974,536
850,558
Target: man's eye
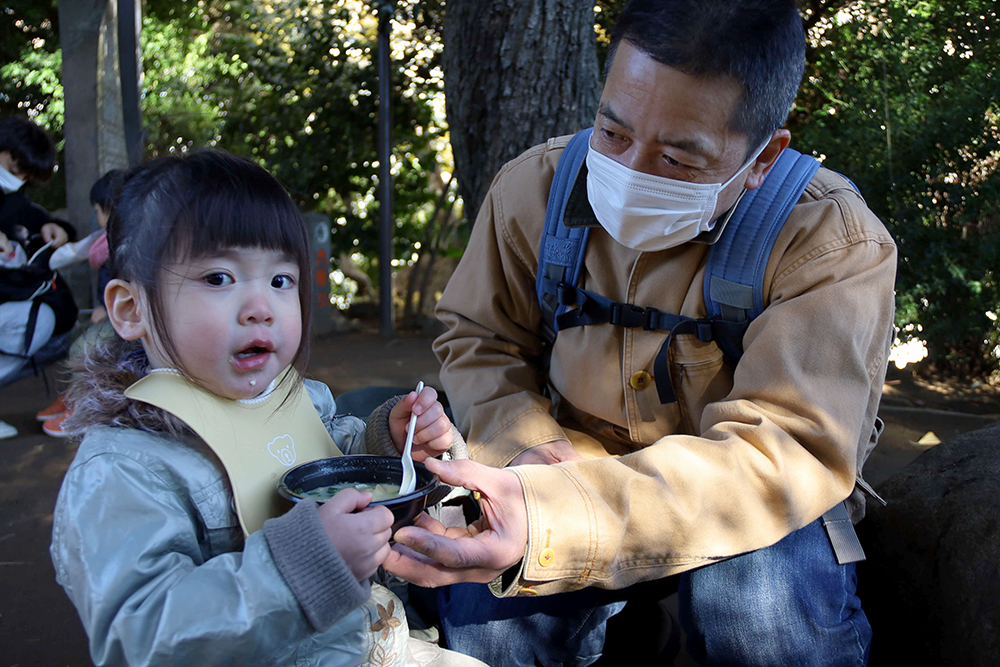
610,136
282,281
218,279
672,162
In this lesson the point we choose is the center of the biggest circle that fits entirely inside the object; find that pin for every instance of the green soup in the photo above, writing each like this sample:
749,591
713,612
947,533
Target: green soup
323,493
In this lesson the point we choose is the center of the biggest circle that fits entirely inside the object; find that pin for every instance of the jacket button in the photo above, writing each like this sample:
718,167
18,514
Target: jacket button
527,591
640,380
546,557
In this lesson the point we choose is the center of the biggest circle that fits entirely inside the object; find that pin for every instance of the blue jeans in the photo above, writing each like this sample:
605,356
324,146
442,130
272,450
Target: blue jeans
788,604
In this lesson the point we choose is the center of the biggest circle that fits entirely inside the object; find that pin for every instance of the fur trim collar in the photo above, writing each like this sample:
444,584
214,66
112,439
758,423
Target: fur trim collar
101,374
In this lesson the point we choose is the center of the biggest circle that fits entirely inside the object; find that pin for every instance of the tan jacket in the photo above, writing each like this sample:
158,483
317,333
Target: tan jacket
744,457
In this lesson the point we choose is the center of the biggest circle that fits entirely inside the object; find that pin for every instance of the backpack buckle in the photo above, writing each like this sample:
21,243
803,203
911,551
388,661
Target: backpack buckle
704,331
628,316
566,294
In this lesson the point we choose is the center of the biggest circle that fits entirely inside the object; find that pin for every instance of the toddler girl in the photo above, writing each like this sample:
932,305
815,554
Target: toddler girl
166,534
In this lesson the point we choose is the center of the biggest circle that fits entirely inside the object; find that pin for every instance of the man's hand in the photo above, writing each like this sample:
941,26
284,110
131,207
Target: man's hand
5,247
54,234
430,555
547,454
362,538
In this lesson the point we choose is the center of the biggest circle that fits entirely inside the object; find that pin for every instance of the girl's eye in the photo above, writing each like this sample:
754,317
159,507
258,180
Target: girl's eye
282,281
218,279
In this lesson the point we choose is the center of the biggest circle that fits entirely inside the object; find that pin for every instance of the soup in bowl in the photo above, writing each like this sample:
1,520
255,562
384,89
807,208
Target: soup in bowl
379,475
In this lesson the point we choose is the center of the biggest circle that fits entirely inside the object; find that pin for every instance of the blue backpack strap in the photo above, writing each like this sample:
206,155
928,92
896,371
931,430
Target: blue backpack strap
734,275
560,256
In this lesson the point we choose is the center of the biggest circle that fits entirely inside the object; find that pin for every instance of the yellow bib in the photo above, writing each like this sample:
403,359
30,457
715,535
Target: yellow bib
257,440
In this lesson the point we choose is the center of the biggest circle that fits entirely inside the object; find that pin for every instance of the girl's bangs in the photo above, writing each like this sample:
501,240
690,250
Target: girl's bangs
251,218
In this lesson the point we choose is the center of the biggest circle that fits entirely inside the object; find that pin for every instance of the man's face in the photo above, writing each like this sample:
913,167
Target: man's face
8,162
660,121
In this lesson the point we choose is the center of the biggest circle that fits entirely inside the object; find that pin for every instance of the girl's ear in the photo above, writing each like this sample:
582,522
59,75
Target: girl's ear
126,309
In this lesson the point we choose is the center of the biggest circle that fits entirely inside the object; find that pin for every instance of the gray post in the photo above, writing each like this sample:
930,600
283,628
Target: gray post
319,242
79,36
385,10
130,64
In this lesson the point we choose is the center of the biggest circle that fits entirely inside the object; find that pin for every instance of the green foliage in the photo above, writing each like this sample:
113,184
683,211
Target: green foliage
294,86
30,64
902,96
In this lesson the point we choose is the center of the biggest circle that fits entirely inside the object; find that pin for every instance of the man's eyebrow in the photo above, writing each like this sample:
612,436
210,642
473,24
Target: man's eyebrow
605,110
693,146
688,145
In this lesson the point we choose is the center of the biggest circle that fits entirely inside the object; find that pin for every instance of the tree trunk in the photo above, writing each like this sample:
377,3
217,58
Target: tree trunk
516,73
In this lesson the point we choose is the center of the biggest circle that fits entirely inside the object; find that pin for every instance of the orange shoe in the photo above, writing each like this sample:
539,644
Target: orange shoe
54,426
57,409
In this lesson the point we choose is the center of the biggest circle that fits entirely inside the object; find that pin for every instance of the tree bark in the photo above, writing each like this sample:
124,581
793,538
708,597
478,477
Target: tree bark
516,73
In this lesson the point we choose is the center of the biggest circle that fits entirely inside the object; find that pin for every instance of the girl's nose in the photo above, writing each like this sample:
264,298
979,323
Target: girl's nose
256,310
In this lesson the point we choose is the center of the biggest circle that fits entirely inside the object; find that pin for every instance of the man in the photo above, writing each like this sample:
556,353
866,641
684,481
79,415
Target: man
726,485
27,154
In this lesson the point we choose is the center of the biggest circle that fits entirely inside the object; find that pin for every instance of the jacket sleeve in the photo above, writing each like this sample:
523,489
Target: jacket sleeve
491,352
132,553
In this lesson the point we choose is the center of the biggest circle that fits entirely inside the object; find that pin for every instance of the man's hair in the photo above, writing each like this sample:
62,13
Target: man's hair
29,145
758,43
105,189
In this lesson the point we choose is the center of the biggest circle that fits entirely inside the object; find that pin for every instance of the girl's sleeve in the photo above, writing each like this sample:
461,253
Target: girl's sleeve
130,548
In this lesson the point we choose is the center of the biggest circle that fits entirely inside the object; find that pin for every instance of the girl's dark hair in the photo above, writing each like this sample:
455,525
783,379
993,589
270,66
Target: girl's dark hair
181,208
29,145
105,189
758,43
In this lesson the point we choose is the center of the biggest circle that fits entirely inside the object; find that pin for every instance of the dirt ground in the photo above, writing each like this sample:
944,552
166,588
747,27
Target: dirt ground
39,626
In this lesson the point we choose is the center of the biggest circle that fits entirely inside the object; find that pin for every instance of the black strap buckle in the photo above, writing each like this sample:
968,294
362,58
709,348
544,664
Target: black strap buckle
566,294
629,316
704,330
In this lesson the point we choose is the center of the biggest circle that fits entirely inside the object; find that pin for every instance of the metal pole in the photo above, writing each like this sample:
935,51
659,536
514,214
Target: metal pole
385,9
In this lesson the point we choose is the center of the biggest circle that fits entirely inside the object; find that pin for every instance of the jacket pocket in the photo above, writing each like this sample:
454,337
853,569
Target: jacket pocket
700,376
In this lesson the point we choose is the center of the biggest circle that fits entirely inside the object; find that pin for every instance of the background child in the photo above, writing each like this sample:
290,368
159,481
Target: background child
102,197
211,264
36,328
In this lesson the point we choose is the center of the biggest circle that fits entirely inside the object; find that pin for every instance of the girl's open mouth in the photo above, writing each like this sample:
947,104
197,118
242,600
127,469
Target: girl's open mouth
253,356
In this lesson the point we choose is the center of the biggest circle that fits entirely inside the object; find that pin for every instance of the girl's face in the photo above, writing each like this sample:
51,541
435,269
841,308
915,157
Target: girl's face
233,317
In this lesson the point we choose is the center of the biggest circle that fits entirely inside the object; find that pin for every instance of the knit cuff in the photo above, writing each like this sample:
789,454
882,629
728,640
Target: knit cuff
311,566
379,441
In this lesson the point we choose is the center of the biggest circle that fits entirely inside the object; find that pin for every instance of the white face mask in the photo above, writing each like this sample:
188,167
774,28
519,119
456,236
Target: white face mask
9,182
646,212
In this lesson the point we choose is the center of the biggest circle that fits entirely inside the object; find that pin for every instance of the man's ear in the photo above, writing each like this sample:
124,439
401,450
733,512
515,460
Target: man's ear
126,309
767,158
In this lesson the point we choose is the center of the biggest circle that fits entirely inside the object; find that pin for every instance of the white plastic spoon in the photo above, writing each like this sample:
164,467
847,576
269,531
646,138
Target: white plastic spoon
409,482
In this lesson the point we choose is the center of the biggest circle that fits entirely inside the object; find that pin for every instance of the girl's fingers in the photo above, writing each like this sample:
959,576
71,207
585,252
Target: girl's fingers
347,501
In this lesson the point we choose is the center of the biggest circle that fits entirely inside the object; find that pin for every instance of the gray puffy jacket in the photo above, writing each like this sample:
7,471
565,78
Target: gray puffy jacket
147,546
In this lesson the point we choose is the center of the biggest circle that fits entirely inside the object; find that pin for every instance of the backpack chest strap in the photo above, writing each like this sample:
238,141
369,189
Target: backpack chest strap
592,308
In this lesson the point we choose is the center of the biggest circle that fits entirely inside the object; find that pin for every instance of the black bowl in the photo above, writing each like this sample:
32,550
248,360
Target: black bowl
366,470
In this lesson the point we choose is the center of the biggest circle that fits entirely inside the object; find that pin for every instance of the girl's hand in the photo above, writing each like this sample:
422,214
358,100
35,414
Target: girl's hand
361,538
431,435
